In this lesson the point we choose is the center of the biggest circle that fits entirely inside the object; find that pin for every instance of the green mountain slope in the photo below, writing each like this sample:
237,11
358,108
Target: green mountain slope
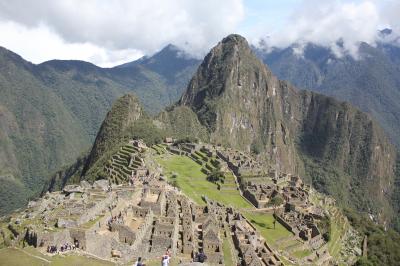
38,133
370,82
50,113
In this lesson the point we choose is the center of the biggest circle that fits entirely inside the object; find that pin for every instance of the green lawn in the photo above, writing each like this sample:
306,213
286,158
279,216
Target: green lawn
11,256
226,248
30,256
302,253
78,261
264,223
194,184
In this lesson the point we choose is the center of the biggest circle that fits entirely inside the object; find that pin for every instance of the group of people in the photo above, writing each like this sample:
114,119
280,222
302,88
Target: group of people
54,249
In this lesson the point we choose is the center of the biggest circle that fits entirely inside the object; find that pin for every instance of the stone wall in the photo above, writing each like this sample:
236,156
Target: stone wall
99,245
100,206
53,238
125,234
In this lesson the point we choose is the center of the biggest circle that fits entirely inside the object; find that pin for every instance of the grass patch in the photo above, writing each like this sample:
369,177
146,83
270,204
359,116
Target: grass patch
264,223
226,248
301,253
194,183
12,256
157,262
78,261
30,256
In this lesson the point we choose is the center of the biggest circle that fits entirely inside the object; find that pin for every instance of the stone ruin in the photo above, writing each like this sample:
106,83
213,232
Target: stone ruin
121,221
252,248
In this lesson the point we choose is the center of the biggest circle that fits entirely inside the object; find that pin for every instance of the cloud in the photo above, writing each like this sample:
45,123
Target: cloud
327,22
114,28
40,43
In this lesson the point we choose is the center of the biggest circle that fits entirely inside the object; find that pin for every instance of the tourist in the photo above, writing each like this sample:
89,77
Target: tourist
201,257
139,262
165,259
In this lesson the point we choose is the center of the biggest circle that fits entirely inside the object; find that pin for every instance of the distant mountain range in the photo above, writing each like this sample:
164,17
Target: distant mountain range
50,113
371,82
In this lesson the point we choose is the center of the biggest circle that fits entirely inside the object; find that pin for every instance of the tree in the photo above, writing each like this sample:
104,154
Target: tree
215,176
276,201
256,147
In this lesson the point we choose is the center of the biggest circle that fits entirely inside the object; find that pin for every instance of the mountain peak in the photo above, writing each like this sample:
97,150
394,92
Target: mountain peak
9,56
123,114
230,66
235,38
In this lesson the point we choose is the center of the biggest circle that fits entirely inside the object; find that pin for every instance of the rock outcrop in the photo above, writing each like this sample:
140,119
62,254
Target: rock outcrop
243,105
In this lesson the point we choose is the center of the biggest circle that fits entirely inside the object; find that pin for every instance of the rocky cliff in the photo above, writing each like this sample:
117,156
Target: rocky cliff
243,105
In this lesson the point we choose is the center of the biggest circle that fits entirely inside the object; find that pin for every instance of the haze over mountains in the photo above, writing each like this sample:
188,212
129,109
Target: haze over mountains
74,97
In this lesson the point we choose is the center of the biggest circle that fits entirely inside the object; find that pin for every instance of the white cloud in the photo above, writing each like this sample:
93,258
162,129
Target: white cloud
109,32
105,32
327,22
39,44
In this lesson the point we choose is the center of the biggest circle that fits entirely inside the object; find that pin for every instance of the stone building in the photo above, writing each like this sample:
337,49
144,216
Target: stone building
212,243
252,248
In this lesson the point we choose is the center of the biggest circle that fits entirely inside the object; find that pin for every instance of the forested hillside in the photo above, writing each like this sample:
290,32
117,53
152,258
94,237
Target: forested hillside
370,81
50,113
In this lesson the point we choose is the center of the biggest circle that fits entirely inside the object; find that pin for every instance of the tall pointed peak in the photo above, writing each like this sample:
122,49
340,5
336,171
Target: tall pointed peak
235,39
229,66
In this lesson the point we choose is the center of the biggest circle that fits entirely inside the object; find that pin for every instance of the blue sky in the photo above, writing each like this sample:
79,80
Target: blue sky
108,33
259,13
